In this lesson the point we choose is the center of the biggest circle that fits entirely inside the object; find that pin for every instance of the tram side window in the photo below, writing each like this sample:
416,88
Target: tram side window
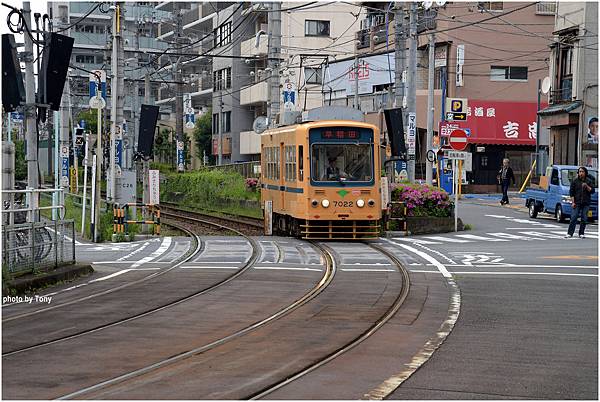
290,163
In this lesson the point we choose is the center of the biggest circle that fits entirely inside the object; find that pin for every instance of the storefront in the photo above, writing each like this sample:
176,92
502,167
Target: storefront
497,130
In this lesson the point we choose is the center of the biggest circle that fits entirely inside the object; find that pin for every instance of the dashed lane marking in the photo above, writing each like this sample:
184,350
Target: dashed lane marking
124,271
164,246
475,237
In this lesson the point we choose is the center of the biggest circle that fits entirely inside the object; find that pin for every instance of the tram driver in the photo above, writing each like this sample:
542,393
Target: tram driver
333,172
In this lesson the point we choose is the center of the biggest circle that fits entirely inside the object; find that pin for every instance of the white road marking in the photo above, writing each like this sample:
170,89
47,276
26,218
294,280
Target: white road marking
134,252
415,240
207,267
448,239
475,237
166,243
510,236
369,263
526,266
125,262
590,235
124,271
368,270
65,236
541,234
522,273
290,269
441,267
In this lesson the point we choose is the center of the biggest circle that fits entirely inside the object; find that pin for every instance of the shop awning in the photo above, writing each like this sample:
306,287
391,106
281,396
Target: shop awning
502,123
568,107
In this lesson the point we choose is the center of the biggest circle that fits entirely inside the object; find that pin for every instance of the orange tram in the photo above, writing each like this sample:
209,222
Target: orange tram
322,179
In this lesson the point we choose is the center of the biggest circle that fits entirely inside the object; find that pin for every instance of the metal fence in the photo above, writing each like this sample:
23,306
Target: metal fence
29,247
246,169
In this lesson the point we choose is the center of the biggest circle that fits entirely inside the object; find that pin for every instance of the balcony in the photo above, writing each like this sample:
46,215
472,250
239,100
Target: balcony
254,94
249,47
249,143
564,93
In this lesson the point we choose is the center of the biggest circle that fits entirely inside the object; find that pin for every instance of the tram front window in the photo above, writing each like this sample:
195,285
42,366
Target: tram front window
342,162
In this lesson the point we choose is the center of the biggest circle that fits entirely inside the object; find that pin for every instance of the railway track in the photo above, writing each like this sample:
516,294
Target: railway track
112,388
195,250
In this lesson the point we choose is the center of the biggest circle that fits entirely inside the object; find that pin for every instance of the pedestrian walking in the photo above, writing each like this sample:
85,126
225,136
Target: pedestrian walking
505,175
582,188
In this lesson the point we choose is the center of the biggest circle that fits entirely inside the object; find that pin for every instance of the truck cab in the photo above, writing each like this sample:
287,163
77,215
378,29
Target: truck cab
552,193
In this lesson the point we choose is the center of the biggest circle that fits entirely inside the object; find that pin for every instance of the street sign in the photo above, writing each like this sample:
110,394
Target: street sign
411,135
154,187
451,116
456,155
458,140
190,118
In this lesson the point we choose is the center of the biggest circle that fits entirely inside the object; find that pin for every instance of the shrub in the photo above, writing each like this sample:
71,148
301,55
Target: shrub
423,200
251,183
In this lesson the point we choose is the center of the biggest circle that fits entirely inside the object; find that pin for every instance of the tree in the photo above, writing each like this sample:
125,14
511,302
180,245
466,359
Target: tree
164,149
91,119
203,136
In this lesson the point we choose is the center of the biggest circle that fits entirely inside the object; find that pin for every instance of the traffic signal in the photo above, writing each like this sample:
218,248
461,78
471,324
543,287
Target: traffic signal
13,90
55,64
148,118
395,127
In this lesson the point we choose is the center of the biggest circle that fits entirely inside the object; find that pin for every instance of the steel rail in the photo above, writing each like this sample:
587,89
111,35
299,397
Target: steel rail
197,251
356,341
330,272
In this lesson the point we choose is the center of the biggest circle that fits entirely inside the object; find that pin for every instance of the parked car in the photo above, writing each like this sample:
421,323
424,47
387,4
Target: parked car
552,194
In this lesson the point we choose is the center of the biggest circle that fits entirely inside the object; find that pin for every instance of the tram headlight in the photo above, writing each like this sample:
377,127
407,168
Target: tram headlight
371,203
360,203
325,203
314,203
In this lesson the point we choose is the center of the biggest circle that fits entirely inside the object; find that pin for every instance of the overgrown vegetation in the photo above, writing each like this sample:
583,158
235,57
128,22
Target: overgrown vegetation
203,137
211,189
20,163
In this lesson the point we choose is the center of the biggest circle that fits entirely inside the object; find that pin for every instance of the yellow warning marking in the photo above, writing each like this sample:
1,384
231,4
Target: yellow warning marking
572,257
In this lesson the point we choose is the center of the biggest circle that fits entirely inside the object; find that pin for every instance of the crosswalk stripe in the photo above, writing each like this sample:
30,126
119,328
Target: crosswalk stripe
541,234
448,239
510,236
475,237
590,235
416,240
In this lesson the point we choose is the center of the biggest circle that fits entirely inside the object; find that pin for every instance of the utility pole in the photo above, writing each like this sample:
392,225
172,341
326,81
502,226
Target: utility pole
400,66
179,89
30,111
220,127
145,164
356,98
274,21
411,101
117,99
429,165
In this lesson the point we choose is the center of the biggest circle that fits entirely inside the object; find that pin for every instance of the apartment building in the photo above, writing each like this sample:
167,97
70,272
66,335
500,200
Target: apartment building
311,37
490,53
573,96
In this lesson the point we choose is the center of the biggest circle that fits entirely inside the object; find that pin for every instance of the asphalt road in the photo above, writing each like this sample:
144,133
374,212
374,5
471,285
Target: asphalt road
528,326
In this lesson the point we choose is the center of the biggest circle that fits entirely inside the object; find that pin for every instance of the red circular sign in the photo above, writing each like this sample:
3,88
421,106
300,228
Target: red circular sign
458,140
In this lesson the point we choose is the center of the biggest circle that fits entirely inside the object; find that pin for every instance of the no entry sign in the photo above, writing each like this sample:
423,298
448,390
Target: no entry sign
458,140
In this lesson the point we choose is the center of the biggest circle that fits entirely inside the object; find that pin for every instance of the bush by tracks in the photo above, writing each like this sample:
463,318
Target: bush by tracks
423,200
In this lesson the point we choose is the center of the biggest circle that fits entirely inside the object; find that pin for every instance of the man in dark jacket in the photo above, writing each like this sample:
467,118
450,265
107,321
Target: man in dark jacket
505,175
581,195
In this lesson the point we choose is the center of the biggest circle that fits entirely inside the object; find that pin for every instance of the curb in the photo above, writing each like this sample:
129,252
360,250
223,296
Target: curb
31,282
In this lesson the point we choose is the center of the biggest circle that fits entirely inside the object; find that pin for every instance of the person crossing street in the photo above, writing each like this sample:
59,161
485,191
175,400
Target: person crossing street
582,188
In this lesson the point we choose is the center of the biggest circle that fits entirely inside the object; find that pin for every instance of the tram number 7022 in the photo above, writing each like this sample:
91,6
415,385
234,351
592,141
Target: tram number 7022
343,203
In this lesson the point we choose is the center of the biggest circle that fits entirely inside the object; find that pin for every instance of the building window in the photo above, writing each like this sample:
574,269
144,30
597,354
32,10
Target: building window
316,28
545,8
226,122
490,5
501,73
222,35
222,79
84,58
313,75
215,123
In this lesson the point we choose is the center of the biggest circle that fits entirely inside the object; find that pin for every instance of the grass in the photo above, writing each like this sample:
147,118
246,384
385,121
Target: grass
468,226
212,190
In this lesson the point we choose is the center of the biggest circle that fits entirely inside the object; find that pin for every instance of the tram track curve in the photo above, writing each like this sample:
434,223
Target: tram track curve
197,249
102,390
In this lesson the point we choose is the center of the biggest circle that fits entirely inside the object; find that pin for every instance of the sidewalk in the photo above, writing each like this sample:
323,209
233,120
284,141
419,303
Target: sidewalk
517,201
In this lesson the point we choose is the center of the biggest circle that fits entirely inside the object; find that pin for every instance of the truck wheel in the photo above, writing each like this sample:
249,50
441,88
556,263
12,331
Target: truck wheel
532,210
560,217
